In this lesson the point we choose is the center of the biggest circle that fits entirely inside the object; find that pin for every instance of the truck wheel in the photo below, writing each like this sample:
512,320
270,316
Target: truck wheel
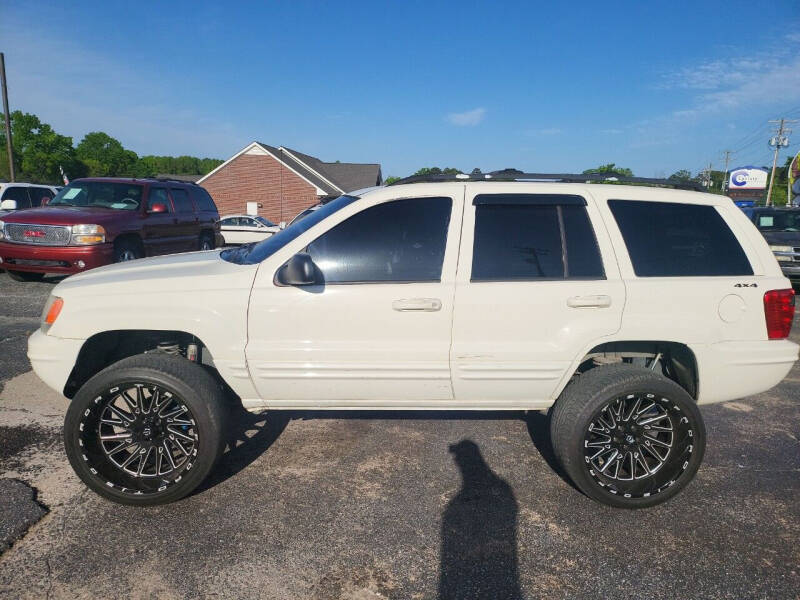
146,430
627,437
206,241
25,276
125,250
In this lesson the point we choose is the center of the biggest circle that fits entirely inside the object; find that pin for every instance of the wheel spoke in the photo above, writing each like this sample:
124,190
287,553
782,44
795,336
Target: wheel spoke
134,407
116,436
180,434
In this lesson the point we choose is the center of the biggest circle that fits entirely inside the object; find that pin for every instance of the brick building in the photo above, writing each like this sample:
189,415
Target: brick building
282,181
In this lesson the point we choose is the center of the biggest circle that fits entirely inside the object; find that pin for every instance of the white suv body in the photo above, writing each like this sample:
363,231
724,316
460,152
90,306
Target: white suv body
469,320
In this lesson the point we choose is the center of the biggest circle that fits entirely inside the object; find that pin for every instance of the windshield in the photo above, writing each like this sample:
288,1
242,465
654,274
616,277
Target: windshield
264,221
780,220
250,254
101,194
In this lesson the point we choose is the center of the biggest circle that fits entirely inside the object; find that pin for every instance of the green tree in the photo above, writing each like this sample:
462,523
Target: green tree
105,156
38,151
391,179
611,168
681,175
438,171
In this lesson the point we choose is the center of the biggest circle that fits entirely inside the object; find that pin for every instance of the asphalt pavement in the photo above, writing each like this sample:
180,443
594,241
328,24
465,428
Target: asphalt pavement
367,505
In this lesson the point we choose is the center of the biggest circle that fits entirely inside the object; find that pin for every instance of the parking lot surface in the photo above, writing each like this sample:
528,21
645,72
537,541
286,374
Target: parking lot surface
369,505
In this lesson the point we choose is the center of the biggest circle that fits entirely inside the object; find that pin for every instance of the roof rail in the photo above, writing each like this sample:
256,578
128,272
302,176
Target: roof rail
516,175
172,179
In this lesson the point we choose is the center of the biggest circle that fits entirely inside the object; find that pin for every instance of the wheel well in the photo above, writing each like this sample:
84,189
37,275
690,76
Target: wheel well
129,237
106,348
674,360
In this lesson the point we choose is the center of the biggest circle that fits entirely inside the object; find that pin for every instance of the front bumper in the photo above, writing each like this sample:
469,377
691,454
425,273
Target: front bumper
790,270
53,358
54,259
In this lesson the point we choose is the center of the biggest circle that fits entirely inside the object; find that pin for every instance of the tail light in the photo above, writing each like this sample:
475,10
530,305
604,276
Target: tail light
779,312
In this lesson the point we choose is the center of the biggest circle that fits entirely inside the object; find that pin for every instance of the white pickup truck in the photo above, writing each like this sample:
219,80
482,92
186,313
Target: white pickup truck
621,308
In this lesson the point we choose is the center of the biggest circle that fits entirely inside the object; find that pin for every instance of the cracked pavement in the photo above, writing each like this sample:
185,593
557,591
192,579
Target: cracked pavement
366,505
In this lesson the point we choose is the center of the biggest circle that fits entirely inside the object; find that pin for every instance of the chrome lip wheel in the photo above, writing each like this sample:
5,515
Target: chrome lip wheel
637,445
126,255
139,438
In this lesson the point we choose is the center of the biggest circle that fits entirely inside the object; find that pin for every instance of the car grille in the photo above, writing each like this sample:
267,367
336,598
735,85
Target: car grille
42,235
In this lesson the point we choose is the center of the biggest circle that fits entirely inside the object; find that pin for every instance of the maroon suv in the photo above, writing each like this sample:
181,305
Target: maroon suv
94,222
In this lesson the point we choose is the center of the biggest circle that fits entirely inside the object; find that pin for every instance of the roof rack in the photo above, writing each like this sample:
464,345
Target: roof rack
171,179
516,175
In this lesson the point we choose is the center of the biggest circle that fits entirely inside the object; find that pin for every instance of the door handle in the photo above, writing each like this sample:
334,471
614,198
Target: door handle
601,301
417,305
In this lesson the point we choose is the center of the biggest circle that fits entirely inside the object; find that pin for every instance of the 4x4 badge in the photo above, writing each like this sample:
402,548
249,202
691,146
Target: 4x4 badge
745,285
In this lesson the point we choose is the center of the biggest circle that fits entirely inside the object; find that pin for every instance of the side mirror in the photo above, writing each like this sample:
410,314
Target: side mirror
298,270
8,205
282,225
158,207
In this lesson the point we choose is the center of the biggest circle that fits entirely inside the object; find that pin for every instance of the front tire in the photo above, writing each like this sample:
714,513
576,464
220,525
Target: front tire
126,250
146,430
628,437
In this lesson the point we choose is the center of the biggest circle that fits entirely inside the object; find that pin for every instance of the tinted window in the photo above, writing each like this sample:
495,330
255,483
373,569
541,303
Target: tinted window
666,239
158,196
20,194
181,200
519,237
778,220
203,200
403,240
38,194
229,222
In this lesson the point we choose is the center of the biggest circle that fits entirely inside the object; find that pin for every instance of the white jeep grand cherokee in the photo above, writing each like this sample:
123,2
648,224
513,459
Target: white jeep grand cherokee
621,307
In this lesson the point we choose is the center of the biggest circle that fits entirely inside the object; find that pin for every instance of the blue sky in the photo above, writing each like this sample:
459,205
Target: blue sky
547,87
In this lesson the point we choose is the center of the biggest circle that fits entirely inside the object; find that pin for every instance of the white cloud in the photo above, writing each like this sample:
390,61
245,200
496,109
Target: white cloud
468,118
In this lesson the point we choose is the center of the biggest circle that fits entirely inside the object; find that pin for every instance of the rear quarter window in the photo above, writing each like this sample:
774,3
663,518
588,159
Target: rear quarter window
669,239
203,200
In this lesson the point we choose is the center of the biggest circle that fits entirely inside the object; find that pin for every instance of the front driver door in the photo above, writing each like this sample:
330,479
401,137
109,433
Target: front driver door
377,331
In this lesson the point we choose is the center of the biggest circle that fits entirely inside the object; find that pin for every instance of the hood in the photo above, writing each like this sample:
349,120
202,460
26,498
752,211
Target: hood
68,215
148,277
782,238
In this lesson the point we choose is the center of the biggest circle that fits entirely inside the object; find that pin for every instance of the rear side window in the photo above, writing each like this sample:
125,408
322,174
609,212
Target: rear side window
181,200
203,200
530,237
399,241
668,239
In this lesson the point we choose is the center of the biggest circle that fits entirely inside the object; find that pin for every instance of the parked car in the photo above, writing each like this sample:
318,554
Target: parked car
19,196
621,309
781,228
243,229
304,213
95,222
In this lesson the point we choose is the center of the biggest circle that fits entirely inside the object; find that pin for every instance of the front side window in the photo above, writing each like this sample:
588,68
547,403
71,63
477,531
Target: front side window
158,196
669,239
100,194
398,241
523,237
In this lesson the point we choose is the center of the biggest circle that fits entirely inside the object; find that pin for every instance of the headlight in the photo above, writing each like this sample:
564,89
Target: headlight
2,228
51,311
783,253
83,235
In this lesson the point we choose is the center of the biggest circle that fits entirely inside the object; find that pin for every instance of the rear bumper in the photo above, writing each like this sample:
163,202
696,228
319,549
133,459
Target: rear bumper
731,370
54,259
53,358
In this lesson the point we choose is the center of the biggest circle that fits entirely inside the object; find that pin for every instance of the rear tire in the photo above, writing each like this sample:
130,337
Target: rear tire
146,430
206,241
628,437
25,276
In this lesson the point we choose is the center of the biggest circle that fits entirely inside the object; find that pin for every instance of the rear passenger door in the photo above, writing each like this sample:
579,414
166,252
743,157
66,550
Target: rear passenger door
159,230
188,228
537,285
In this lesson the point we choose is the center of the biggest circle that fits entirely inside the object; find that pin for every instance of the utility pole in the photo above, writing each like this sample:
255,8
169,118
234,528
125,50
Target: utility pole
725,176
7,118
779,140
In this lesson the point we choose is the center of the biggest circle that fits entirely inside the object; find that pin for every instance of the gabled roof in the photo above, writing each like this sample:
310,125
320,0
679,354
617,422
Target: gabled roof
330,179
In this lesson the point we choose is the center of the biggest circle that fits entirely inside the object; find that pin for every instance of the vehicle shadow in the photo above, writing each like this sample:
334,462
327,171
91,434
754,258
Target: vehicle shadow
478,556
249,435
